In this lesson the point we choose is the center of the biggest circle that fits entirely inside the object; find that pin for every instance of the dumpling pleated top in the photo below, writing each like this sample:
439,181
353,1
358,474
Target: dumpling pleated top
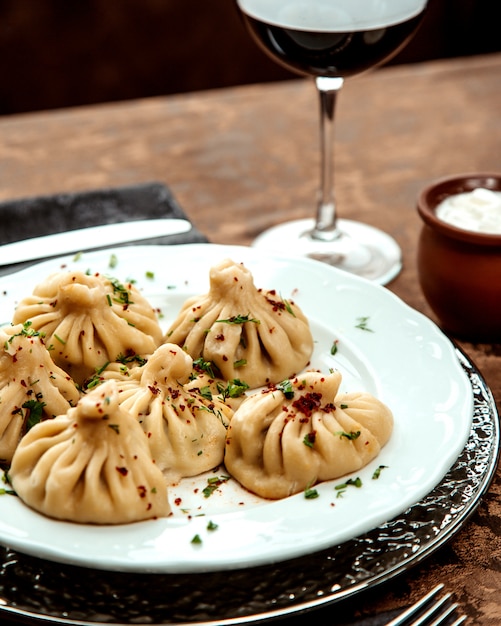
247,333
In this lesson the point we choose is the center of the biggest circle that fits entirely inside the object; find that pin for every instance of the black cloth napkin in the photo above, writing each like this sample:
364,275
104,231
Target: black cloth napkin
43,215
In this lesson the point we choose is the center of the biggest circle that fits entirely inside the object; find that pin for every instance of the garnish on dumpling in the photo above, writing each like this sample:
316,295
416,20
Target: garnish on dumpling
91,465
32,387
303,431
247,333
203,379
89,320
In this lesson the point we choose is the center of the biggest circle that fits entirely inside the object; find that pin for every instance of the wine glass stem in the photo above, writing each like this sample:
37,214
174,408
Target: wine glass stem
325,228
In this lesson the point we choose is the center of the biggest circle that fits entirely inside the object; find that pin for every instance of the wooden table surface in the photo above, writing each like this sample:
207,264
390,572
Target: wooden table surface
242,159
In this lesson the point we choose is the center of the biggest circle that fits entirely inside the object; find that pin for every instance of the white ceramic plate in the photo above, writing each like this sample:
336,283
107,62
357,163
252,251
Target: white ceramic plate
396,354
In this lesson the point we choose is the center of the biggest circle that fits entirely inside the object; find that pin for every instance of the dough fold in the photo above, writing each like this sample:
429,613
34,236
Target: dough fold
302,432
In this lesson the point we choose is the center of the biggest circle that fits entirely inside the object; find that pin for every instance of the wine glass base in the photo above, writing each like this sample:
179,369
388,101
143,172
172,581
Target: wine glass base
360,249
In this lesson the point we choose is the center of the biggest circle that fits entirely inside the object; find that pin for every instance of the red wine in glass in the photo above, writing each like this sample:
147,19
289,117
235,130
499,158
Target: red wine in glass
331,40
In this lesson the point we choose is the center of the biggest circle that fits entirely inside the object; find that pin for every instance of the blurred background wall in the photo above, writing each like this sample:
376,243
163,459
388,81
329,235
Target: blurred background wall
60,53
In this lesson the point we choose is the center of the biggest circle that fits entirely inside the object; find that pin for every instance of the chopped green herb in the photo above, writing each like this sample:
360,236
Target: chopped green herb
288,307
234,389
211,409
240,363
239,319
150,275
197,540
26,331
120,292
113,262
7,491
310,494
95,379
309,439
130,358
354,482
286,388
334,347
377,472
212,526
351,435
213,483
206,393
35,412
208,367
115,427
362,324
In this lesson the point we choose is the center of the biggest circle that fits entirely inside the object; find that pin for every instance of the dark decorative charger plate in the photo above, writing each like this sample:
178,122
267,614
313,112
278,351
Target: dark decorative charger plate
32,590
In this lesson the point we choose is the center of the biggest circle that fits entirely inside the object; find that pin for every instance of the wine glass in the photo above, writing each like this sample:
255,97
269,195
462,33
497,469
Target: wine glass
331,40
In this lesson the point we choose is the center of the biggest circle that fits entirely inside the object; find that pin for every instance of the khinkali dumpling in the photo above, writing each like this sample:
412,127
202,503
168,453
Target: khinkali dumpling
32,387
91,465
248,333
89,320
185,426
301,432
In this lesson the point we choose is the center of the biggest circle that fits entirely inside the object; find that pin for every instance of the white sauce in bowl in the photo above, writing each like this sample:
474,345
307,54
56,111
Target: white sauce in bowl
478,211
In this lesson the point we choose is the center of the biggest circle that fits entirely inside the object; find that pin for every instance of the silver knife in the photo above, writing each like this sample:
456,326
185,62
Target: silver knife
89,238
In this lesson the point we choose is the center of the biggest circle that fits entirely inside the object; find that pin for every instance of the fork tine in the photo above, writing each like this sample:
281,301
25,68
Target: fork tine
415,608
429,611
447,614
424,619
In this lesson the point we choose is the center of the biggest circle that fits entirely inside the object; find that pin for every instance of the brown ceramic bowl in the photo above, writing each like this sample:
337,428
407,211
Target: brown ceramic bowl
460,270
